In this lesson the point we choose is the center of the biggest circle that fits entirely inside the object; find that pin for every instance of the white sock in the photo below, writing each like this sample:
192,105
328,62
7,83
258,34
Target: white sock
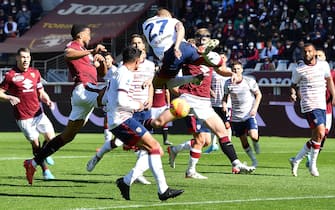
192,162
155,164
104,149
178,81
108,135
183,146
33,162
142,164
214,139
302,153
236,162
314,156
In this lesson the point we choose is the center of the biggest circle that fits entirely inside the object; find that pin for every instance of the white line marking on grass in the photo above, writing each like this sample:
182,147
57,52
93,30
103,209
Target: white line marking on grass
210,202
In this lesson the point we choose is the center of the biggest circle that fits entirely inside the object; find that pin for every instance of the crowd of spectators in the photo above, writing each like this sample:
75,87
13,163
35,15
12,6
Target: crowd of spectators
17,16
256,31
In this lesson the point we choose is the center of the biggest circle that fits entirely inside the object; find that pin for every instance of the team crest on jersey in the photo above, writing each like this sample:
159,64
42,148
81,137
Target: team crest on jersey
27,84
32,74
18,78
138,130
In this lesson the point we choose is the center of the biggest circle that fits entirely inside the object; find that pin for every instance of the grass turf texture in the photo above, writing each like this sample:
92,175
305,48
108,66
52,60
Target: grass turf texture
271,186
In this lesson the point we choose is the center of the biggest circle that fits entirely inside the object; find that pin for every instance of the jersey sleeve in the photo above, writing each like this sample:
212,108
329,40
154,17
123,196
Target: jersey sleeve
6,81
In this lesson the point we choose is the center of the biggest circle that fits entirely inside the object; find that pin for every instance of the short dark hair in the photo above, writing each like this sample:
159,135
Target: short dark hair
76,29
22,49
130,54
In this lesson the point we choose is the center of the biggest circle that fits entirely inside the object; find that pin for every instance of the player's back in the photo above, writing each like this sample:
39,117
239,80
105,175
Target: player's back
160,33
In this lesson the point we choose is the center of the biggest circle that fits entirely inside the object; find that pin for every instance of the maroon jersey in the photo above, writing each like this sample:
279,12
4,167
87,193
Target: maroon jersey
82,70
24,85
159,98
329,96
202,90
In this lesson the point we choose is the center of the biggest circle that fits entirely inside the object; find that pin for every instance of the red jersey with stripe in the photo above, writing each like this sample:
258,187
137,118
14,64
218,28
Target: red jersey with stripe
202,90
82,70
24,85
159,98
329,97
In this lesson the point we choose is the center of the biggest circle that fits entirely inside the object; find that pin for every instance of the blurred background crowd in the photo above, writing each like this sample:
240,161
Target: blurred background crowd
264,31
270,32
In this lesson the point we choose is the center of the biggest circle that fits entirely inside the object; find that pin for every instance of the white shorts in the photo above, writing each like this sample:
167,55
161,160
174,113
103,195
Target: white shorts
33,127
156,111
83,102
201,107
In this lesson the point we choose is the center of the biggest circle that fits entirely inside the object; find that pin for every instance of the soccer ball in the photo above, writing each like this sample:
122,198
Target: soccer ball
179,108
213,59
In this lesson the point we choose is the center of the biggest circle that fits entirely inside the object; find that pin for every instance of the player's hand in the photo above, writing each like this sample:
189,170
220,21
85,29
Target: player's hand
253,112
13,100
177,53
141,107
293,97
99,48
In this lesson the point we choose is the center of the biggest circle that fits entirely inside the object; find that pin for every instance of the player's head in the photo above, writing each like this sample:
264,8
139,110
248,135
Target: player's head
202,36
81,32
23,59
138,41
309,53
320,55
237,67
131,57
162,12
109,59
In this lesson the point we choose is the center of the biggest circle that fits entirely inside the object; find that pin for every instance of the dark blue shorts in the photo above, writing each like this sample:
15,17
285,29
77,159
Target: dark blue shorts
142,116
129,132
241,128
172,65
316,117
195,125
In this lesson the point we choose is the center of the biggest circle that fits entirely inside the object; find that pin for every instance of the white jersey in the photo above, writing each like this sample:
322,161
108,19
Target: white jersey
242,96
145,72
160,33
110,73
217,86
122,81
312,85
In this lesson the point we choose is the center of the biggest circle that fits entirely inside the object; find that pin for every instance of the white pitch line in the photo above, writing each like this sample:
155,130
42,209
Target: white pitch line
210,202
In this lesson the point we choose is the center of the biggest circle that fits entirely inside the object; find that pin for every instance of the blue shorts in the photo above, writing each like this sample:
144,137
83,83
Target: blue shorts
129,132
195,125
316,117
241,128
142,116
172,65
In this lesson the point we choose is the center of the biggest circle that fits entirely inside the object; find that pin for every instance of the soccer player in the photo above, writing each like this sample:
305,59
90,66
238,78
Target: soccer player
111,71
120,108
310,75
320,55
85,65
166,36
161,102
142,89
245,97
201,136
198,97
217,92
142,83
22,87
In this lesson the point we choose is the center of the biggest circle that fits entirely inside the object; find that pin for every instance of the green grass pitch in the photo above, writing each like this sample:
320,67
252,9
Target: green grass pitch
271,186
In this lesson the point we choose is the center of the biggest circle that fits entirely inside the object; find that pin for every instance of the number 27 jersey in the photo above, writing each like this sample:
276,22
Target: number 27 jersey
160,33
